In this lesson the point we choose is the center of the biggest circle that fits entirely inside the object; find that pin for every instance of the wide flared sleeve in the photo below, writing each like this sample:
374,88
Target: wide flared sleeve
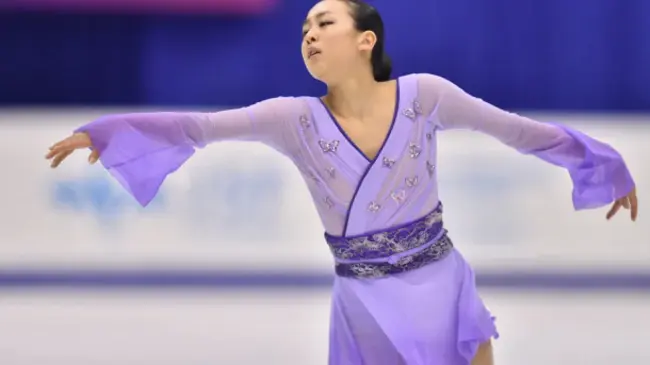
141,149
599,173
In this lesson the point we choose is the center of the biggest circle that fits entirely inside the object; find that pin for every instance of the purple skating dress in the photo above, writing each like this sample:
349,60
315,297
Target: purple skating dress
402,293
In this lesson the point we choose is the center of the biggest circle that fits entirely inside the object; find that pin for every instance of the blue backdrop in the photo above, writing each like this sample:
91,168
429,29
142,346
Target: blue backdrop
550,54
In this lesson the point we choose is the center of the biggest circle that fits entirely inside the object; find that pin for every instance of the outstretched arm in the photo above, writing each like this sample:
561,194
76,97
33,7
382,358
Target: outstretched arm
599,173
141,149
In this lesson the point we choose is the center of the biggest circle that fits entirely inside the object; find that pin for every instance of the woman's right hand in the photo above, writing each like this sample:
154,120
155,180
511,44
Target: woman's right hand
64,148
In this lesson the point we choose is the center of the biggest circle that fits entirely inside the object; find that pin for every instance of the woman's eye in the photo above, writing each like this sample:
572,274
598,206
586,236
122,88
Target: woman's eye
321,24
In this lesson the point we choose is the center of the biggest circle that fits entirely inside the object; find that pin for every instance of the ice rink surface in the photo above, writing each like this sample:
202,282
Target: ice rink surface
251,326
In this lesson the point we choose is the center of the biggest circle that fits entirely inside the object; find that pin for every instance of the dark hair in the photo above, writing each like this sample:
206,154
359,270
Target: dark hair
366,17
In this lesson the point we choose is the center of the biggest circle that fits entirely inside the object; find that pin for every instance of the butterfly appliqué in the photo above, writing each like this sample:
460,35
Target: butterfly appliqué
398,196
328,146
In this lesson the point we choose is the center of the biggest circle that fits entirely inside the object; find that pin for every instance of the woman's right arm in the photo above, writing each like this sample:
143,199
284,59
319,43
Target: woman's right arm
141,149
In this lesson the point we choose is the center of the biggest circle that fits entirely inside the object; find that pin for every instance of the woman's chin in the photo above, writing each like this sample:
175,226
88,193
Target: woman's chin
317,73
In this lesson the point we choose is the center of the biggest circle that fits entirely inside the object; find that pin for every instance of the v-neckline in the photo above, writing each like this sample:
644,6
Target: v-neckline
388,134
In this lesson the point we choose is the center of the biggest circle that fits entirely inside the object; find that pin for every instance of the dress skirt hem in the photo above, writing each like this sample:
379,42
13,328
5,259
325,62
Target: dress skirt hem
429,316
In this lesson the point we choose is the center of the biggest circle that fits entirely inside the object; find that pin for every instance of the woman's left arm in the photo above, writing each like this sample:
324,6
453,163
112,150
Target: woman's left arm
599,173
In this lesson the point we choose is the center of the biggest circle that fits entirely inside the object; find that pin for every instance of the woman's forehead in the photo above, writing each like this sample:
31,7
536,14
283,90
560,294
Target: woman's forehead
324,7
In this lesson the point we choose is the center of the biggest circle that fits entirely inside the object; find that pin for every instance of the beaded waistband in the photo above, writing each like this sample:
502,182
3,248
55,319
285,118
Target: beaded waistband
395,250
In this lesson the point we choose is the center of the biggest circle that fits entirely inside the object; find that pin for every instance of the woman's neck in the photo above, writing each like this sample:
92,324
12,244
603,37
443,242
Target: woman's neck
355,97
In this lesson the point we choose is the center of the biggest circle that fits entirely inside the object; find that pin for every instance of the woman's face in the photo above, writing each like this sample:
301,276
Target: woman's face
330,42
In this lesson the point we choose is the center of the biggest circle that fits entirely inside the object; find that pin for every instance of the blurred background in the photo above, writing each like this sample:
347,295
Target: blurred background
228,264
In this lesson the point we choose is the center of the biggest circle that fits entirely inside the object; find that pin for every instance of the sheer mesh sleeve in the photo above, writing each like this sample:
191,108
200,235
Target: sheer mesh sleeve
141,149
598,171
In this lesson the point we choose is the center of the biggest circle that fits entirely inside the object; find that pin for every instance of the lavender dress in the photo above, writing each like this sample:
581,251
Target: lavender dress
402,293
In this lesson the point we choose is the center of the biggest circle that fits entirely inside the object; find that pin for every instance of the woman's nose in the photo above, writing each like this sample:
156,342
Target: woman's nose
310,37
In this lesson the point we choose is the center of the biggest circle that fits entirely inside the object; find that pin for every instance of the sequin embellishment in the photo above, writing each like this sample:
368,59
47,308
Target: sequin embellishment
304,121
388,248
328,146
328,201
414,110
374,207
412,181
331,171
387,162
414,150
398,196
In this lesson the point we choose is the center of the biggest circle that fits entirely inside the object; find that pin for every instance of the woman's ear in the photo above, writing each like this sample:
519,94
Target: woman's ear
367,41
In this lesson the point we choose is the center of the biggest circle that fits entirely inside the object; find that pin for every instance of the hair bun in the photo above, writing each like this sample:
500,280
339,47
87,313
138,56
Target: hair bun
382,68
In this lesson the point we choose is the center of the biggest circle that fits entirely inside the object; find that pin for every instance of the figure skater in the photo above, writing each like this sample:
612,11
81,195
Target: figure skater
402,293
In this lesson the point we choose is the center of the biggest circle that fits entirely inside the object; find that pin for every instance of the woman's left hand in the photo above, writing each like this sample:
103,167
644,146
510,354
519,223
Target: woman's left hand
628,202
62,149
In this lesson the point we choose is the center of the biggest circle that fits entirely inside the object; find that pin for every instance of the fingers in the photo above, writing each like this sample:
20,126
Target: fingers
628,202
75,141
94,156
625,202
615,208
54,150
57,159
67,145
634,206
62,149
57,151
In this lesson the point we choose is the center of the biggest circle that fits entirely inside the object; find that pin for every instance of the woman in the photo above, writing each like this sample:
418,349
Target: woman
367,150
